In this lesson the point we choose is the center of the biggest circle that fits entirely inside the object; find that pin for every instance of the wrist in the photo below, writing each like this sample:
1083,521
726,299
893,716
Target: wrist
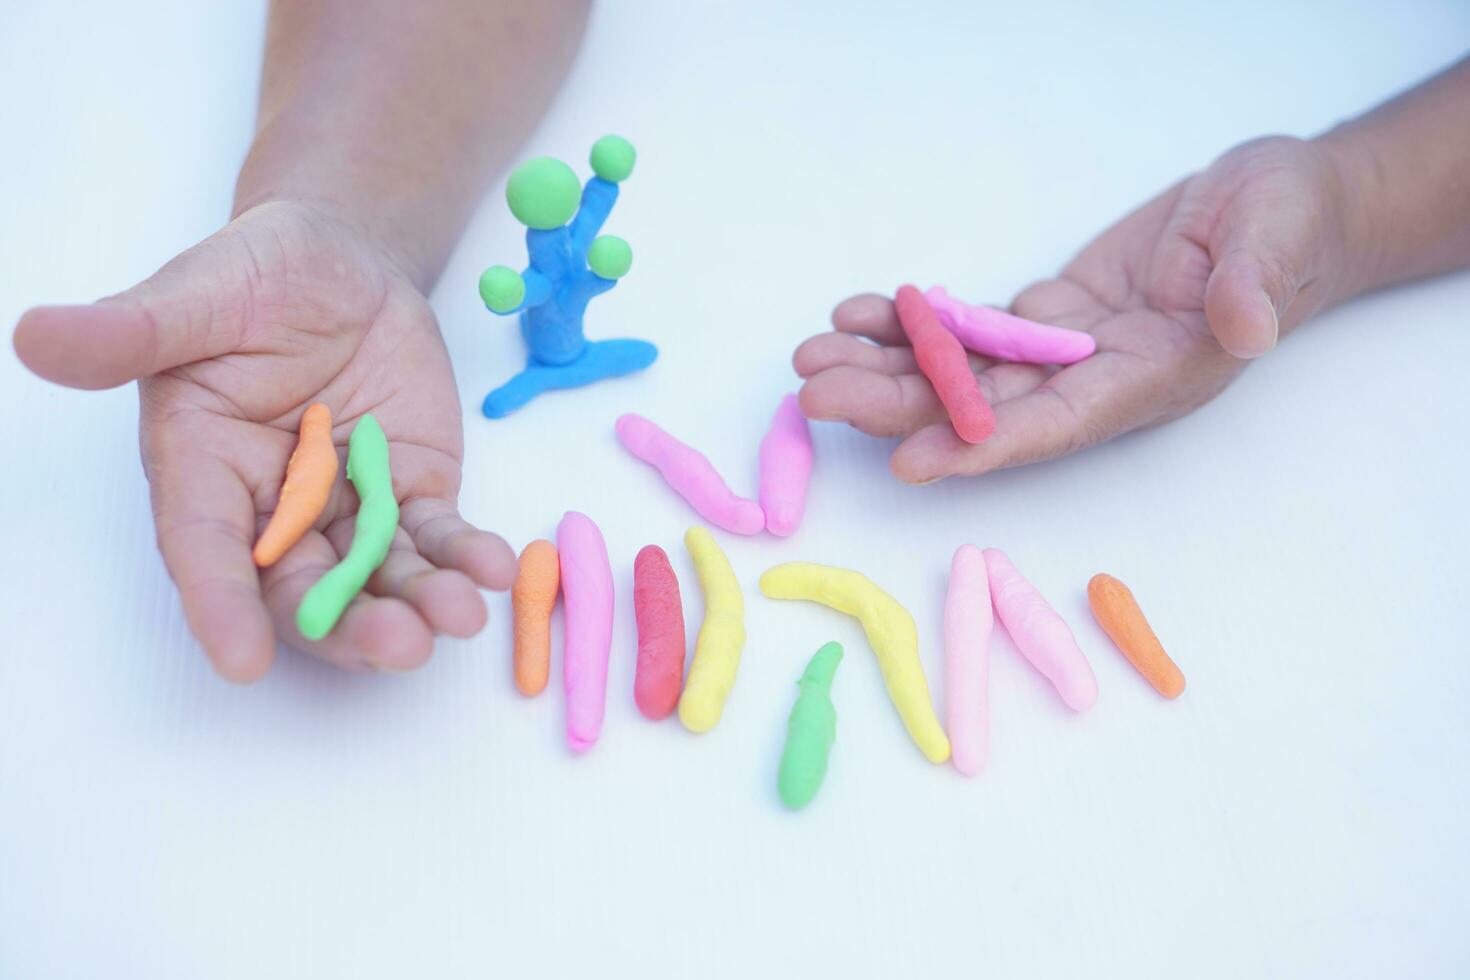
292,165
1358,192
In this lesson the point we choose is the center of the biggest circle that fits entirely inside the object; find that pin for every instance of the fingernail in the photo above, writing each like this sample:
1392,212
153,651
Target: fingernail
1275,322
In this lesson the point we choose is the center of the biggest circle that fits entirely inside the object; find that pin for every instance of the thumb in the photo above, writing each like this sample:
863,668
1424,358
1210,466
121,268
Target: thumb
188,311
1259,268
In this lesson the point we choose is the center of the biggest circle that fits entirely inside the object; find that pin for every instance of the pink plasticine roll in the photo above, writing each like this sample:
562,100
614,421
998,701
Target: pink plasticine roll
943,362
995,333
1041,635
691,475
967,625
587,598
786,468
660,614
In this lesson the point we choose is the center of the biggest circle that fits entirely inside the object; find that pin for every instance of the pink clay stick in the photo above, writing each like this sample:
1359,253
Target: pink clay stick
967,625
995,333
944,363
1041,635
786,468
587,598
691,475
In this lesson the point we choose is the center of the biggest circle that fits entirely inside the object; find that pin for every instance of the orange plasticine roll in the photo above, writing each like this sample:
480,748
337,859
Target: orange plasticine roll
1117,612
310,473
531,601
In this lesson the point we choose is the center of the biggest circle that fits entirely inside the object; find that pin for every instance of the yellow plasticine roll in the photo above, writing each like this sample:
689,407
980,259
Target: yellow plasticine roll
721,635
891,632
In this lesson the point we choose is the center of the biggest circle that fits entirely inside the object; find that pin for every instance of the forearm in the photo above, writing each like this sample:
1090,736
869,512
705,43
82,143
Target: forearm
396,115
1405,170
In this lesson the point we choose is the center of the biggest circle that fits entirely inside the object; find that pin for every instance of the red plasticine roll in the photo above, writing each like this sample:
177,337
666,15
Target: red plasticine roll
942,359
660,615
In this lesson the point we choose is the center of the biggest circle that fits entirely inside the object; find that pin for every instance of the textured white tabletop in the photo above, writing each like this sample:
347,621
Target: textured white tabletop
1300,544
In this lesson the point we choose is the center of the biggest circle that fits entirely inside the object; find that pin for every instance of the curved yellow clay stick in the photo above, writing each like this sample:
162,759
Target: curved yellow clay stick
891,632
721,635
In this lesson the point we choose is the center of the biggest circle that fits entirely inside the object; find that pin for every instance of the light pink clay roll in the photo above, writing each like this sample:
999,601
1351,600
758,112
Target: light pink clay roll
786,468
996,333
1042,636
967,625
691,475
587,599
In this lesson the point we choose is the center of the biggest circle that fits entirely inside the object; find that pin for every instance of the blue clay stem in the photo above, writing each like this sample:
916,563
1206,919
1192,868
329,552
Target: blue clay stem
598,198
559,285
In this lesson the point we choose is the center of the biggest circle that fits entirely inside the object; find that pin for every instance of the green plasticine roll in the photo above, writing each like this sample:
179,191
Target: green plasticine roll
377,522
810,731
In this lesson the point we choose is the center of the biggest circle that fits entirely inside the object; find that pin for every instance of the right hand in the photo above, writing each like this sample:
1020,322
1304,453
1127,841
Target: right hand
230,342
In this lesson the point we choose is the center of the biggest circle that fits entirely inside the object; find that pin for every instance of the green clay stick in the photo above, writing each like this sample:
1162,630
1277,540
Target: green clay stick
377,522
810,731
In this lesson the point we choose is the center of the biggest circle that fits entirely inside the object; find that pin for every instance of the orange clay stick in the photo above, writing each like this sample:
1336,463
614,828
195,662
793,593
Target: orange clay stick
531,602
1117,612
310,473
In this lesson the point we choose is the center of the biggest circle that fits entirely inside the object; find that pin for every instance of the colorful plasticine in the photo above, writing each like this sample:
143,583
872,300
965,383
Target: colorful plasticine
1117,612
995,333
532,599
691,475
569,266
721,635
967,624
587,604
945,364
786,468
890,630
372,533
660,615
310,473
810,731
1041,635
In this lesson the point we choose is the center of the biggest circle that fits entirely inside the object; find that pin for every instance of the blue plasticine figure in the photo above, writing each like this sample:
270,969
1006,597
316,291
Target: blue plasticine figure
569,265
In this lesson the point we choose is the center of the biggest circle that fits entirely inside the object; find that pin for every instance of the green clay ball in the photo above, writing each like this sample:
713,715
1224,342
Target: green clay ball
543,193
502,288
610,257
612,158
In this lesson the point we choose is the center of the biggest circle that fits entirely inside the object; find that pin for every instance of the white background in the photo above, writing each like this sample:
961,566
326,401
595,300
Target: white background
1299,544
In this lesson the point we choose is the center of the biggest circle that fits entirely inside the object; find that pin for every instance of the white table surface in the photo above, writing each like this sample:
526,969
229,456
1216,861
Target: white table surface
1299,544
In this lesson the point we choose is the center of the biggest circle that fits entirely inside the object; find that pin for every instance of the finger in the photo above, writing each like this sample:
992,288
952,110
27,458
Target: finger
449,541
1241,300
376,632
1027,429
833,349
885,406
447,600
879,404
205,521
1076,407
1261,258
828,350
187,311
870,315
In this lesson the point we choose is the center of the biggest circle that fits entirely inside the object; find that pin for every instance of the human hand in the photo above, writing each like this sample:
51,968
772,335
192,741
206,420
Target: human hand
231,341
1177,294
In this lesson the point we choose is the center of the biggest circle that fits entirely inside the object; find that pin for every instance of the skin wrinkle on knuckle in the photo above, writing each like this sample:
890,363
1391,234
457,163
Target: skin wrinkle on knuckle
167,530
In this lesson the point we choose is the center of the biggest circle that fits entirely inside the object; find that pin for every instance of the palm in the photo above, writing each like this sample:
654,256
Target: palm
1142,289
324,321
282,308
